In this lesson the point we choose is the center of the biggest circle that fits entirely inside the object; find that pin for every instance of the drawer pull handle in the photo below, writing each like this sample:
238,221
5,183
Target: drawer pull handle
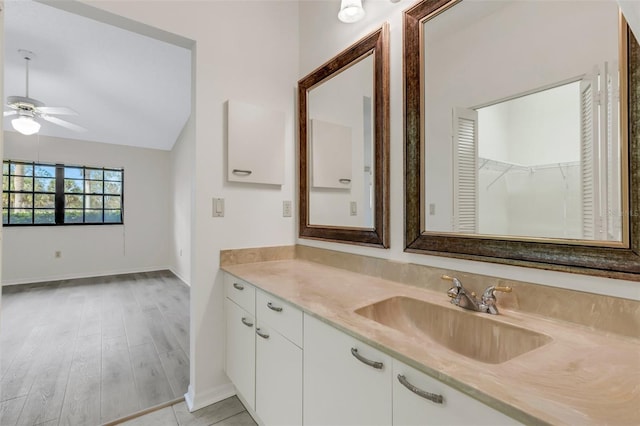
344,181
261,334
274,308
238,286
374,364
241,172
247,323
426,395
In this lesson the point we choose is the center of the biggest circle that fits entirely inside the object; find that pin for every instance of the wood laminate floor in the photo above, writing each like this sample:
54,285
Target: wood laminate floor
87,351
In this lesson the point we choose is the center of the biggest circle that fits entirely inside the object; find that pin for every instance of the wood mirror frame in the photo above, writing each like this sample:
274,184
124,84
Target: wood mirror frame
377,44
623,263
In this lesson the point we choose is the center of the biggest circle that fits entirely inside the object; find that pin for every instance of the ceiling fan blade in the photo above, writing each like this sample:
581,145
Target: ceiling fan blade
63,123
8,113
56,110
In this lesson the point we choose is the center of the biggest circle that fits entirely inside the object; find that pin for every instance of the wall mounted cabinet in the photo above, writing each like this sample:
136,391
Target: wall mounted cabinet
255,152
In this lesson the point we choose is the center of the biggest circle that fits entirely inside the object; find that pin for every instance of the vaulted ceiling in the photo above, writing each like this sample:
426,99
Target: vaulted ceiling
128,89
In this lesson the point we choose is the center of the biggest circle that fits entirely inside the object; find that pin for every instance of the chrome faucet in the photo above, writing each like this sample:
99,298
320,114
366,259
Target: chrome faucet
468,300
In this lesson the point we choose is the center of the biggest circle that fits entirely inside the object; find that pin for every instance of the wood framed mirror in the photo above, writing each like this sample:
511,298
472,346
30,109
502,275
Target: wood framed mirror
343,125
465,60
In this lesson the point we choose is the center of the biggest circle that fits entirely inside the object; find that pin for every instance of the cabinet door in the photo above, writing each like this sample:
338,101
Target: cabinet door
340,389
278,378
455,408
241,351
256,144
330,155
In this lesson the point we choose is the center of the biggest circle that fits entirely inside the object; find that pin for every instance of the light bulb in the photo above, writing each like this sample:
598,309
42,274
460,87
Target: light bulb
25,125
351,11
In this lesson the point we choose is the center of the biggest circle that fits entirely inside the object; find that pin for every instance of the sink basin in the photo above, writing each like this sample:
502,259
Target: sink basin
473,335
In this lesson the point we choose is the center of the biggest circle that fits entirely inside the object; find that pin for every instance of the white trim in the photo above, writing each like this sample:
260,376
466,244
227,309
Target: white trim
206,398
86,275
184,281
249,410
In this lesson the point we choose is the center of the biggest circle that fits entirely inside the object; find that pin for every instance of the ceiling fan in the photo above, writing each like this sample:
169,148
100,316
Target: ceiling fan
29,110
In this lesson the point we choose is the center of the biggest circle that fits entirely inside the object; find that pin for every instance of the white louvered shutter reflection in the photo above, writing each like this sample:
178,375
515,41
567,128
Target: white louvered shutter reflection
465,170
588,156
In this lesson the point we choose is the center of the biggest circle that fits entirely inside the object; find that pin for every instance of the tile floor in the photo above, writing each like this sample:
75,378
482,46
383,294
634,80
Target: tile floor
229,412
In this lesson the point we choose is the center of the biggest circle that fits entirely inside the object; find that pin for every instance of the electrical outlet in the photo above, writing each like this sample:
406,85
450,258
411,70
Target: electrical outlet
286,208
58,254
353,207
432,209
180,252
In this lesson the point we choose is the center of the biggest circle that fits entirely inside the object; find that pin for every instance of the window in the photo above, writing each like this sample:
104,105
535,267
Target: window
55,194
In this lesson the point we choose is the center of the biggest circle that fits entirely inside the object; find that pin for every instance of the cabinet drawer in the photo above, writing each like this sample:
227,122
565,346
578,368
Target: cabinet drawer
241,292
419,399
283,317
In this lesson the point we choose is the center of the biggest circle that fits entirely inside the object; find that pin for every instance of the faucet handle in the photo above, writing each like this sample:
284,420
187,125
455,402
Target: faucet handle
456,282
488,292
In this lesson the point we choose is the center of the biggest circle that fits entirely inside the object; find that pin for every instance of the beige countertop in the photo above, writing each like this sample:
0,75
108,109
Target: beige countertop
581,377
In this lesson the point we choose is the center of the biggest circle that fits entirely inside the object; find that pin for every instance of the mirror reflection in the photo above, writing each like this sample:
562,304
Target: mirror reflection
522,133
341,154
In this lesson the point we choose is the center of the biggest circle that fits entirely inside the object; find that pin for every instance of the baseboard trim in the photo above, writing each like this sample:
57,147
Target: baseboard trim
174,272
35,280
250,410
204,399
143,412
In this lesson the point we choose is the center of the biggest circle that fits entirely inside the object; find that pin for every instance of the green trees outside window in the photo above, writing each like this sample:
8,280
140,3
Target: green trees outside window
55,194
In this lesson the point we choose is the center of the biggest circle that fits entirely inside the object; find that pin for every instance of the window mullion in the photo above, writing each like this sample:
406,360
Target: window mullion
59,198
33,193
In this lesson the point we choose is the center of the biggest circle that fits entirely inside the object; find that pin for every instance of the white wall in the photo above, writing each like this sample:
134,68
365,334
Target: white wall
1,127
246,51
321,37
181,189
542,129
140,244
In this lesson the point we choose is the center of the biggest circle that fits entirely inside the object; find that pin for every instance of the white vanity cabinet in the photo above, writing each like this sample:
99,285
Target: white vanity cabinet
419,399
339,388
291,368
240,362
264,354
278,362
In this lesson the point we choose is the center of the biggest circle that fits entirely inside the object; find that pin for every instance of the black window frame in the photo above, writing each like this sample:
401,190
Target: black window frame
60,194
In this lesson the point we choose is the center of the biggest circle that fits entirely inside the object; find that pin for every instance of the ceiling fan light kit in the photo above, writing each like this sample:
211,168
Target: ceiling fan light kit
29,110
25,125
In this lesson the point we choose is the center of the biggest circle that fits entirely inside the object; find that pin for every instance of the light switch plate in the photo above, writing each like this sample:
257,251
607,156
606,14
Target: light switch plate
353,208
218,207
286,208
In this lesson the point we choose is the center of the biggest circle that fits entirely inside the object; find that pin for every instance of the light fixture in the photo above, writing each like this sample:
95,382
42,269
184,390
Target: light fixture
351,11
25,125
